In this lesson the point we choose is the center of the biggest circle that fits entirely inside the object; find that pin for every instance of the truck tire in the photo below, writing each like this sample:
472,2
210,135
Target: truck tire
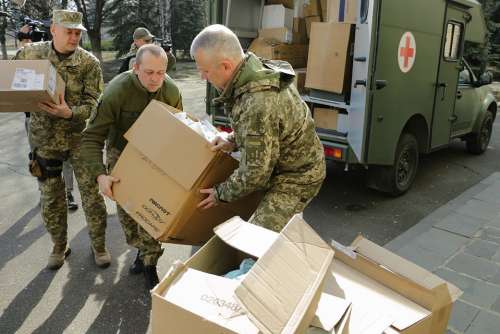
477,143
398,178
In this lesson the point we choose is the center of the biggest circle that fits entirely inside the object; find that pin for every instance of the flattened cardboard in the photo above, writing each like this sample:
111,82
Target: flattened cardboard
286,279
161,170
25,83
311,257
329,56
309,21
286,3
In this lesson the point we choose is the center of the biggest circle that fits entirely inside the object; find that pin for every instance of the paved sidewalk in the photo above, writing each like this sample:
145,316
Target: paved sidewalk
460,242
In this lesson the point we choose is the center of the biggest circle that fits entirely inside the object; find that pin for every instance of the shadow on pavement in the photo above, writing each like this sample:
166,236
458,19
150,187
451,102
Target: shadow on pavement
22,242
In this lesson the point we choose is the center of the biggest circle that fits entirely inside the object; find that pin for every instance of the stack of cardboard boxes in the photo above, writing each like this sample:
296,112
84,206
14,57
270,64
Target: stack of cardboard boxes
317,34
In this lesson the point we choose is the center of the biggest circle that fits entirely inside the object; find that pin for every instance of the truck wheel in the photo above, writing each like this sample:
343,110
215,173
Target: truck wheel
398,178
477,143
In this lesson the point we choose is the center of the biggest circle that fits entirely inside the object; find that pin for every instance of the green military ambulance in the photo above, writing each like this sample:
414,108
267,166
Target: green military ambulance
412,91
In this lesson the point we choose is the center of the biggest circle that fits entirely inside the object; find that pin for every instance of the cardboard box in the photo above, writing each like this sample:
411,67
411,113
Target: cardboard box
300,79
324,10
161,170
25,83
277,16
331,119
309,21
280,35
295,54
345,11
388,293
286,3
287,279
329,57
299,33
312,8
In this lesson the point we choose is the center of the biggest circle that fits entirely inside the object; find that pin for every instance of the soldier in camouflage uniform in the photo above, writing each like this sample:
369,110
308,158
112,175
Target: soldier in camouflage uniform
273,129
122,103
55,135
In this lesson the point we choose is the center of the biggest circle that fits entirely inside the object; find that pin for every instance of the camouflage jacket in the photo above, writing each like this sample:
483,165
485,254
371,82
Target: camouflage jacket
273,129
84,84
122,103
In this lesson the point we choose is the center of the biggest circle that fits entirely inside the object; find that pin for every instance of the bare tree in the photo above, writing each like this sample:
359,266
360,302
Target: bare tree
93,13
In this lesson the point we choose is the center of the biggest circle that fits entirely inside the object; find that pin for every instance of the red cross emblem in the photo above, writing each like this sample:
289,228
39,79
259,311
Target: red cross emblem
407,52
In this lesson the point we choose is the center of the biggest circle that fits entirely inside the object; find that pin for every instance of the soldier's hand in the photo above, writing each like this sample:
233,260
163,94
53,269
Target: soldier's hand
222,144
210,201
61,110
106,184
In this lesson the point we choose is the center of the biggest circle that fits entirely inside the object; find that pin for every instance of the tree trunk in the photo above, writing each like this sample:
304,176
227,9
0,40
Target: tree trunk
95,42
3,27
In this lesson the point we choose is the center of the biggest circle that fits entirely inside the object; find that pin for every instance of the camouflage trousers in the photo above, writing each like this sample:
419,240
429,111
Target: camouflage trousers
281,203
53,199
135,235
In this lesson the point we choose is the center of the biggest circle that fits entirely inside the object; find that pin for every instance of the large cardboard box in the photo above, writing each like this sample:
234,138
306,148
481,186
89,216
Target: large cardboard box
280,293
286,3
389,294
161,171
277,16
25,83
295,54
329,57
344,11
280,35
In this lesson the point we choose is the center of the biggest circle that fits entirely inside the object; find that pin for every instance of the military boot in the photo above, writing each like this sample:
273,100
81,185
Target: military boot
138,266
72,206
56,258
102,257
151,277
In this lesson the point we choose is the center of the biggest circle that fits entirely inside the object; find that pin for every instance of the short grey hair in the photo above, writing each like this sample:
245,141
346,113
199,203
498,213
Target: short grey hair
154,49
218,40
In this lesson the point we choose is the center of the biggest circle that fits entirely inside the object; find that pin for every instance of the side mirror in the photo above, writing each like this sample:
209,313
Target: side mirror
486,78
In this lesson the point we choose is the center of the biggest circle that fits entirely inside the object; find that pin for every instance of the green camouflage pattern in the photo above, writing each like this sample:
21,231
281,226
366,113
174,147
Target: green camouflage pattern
53,199
82,74
122,103
135,235
275,133
57,138
68,19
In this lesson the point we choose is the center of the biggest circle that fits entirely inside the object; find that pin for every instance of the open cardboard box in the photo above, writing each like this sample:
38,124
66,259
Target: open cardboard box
25,83
280,293
366,288
161,171
389,294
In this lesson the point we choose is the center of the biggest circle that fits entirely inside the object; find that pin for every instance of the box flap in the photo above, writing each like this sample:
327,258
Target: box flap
279,290
170,144
444,292
244,236
331,309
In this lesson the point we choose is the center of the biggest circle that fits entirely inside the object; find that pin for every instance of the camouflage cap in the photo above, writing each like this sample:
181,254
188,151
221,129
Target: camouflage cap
68,19
142,33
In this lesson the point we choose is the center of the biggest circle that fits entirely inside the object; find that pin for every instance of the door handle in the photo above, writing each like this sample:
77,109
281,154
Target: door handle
360,83
443,85
459,94
379,84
